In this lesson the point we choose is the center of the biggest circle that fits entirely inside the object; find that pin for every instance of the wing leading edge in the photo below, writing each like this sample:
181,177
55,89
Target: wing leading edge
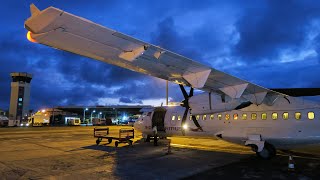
56,28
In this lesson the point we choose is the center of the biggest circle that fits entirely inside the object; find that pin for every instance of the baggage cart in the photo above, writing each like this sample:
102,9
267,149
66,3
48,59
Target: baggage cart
125,136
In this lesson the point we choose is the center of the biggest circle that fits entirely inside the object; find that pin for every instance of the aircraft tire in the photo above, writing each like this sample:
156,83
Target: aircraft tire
147,139
267,152
98,141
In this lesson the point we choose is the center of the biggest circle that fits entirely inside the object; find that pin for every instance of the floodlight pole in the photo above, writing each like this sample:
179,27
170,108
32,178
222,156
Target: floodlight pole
167,93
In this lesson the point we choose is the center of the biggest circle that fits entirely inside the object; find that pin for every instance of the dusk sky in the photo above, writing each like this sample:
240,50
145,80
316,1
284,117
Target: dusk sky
273,43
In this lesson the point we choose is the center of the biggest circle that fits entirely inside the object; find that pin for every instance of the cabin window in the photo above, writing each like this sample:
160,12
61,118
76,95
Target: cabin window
285,115
197,117
297,115
227,116
219,116
235,116
179,118
264,116
311,115
211,117
204,117
274,116
173,118
253,116
244,116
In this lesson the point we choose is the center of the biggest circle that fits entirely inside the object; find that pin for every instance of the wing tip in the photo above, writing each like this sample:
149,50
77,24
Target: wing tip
34,10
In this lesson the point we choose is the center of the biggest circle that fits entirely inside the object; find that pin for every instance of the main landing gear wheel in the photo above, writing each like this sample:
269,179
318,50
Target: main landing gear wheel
267,152
147,139
110,140
116,143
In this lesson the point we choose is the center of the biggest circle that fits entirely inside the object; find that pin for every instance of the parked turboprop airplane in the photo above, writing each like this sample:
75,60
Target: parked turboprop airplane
230,109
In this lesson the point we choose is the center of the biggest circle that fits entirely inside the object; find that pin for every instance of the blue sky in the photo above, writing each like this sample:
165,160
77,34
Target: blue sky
272,43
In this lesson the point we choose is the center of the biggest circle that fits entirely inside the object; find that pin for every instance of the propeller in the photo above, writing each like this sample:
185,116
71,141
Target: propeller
185,103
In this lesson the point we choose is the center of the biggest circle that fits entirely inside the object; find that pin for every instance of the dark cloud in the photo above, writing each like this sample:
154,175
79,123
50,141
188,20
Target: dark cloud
267,29
128,100
204,31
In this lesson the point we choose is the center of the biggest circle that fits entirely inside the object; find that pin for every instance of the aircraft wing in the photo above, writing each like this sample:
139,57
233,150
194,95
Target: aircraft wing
56,28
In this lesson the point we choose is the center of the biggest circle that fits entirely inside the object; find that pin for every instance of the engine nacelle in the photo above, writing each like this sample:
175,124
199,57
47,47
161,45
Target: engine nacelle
212,103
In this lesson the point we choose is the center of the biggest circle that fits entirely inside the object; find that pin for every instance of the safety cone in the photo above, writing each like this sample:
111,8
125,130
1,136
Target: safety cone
290,164
169,147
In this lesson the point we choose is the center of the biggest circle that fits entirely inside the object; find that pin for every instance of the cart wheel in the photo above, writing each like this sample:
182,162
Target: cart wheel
116,143
98,141
110,140
130,142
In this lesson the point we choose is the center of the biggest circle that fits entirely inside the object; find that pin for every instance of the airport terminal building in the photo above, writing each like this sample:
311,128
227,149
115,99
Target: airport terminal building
116,113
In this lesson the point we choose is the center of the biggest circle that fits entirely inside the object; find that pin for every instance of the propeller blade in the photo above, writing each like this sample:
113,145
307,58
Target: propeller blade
183,120
191,92
184,92
196,123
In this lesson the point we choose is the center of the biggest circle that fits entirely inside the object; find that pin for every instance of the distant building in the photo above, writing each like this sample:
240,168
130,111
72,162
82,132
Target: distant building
20,95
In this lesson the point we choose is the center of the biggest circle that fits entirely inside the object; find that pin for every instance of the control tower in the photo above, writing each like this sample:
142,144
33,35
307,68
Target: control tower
20,95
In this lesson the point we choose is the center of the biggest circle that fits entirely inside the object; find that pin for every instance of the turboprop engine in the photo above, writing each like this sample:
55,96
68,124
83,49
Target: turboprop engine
207,103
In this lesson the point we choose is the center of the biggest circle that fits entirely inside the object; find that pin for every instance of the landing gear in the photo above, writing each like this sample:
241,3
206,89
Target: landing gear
267,152
147,139
155,140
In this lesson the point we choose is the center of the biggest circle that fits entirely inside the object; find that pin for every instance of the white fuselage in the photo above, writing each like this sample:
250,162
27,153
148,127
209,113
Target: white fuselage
285,125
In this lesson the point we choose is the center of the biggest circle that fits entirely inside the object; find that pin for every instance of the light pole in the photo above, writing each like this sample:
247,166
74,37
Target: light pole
91,115
84,114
